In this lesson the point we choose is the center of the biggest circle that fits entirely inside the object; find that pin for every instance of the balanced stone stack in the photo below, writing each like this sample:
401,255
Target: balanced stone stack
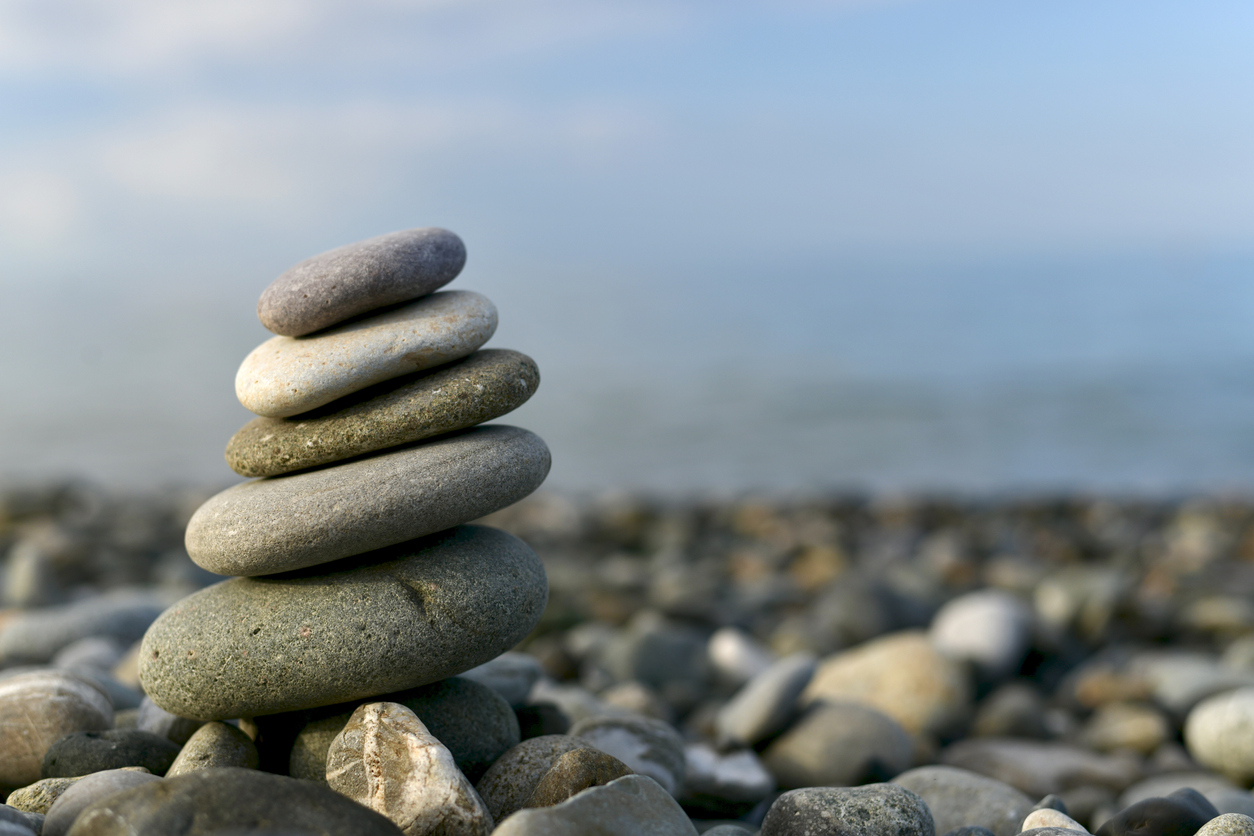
360,576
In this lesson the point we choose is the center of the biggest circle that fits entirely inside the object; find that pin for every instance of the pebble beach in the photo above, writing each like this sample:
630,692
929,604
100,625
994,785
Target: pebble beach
390,629
964,661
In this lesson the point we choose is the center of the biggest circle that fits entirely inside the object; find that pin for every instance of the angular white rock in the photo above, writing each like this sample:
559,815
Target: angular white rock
387,760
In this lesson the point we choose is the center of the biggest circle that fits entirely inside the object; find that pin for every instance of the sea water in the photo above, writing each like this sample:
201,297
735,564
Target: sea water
1128,373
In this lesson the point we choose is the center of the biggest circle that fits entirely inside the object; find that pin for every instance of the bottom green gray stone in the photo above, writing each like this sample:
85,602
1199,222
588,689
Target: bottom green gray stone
384,621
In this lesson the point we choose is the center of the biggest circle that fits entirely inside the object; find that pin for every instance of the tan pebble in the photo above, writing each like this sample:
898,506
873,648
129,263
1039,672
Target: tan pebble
38,708
1049,817
1229,824
215,744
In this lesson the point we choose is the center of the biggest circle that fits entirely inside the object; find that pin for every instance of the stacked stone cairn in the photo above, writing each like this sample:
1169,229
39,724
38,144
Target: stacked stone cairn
362,589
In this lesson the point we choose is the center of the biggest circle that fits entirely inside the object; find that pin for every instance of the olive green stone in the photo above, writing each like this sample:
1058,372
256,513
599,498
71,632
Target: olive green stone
485,385
396,618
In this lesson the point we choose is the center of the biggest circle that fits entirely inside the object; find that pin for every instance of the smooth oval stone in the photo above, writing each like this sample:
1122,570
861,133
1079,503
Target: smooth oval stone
901,674
872,810
766,703
1219,733
88,790
303,519
574,772
1228,824
509,783
387,760
38,708
83,753
485,385
838,745
397,618
1179,814
356,278
215,745
229,800
959,797
290,375
633,805
1048,817
990,628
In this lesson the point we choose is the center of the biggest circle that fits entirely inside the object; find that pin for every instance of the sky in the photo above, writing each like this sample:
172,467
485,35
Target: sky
654,193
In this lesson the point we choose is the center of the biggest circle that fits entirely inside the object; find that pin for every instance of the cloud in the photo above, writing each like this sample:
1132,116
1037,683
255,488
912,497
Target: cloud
39,206
139,37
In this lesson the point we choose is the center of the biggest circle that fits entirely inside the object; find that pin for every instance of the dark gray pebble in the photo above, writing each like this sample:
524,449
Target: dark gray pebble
1180,814
214,801
82,753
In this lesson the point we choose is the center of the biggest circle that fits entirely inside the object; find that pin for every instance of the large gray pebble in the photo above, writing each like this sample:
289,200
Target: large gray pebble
838,744
288,375
873,810
764,705
37,709
229,800
991,629
88,790
648,746
399,618
633,805
304,519
960,797
359,277
35,636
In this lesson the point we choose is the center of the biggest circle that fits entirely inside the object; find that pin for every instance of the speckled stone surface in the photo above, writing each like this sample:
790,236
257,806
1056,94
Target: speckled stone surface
397,618
871,810
289,522
289,375
356,278
483,386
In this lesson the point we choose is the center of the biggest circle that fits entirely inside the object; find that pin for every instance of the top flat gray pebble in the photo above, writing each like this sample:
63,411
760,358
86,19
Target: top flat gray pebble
289,375
339,284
